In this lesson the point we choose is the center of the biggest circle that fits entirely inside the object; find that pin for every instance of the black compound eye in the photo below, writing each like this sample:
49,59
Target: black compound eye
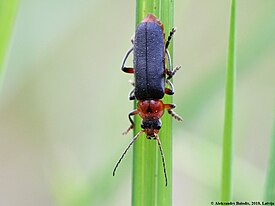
142,126
158,127
157,124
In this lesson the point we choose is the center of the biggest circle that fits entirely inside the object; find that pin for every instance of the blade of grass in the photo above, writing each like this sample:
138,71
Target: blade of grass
229,107
249,52
144,151
148,186
7,15
270,178
165,193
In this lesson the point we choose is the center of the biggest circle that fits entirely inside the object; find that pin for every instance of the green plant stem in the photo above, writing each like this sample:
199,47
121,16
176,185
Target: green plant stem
270,178
229,108
7,15
148,186
165,193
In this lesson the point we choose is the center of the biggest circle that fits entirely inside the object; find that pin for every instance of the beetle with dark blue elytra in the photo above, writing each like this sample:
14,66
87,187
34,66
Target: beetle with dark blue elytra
150,54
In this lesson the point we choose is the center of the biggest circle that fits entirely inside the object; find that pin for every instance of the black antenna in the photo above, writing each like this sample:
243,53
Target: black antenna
172,32
133,140
162,157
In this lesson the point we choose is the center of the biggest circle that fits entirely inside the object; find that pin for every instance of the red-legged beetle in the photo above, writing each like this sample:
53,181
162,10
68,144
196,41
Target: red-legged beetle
150,53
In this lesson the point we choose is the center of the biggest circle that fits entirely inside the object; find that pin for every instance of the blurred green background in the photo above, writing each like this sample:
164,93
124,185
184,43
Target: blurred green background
64,102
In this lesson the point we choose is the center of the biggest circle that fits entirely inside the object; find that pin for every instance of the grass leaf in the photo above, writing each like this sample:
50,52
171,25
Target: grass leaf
148,187
7,15
229,109
270,178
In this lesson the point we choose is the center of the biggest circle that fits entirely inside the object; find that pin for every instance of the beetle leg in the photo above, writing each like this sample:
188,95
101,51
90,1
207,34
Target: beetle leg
172,32
171,90
132,122
132,94
170,108
169,60
132,82
132,39
168,91
127,69
171,73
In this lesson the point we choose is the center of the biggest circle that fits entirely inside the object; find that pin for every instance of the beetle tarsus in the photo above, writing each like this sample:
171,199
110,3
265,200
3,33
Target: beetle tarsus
170,74
175,115
128,130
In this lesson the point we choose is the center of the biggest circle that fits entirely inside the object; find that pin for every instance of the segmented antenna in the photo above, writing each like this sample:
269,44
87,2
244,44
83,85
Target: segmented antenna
172,32
123,154
162,157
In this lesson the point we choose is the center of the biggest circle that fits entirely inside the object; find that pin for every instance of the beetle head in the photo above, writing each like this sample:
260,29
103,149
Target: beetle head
151,127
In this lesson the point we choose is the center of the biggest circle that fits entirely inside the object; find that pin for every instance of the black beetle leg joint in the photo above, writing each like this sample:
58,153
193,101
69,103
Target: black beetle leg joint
173,106
169,91
169,74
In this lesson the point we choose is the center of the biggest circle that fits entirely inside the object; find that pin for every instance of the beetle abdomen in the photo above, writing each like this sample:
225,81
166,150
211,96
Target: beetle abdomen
149,61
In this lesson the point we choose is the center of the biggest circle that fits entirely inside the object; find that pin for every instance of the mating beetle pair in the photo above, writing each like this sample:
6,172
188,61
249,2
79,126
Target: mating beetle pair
150,52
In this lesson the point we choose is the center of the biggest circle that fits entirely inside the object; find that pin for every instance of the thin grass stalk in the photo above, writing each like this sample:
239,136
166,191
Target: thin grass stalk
148,185
165,193
7,16
144,151
226,187
270,178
